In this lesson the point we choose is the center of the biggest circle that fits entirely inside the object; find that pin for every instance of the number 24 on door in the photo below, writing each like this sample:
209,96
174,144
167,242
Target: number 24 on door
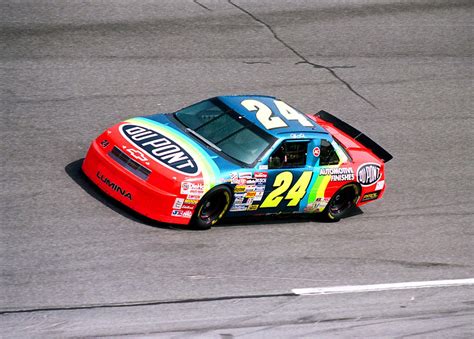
283,190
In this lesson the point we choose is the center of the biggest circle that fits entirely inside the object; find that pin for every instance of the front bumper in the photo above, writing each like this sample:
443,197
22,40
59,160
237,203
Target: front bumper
124,186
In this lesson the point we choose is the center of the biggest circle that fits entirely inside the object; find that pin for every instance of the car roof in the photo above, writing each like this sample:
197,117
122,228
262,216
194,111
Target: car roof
294,129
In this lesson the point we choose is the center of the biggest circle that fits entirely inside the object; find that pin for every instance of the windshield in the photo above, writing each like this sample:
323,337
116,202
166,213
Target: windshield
219,127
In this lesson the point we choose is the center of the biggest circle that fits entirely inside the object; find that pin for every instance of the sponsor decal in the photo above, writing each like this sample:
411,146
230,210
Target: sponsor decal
188,207
252,207
239,195
338,174
196,193
164,150
239,200
239,207
177,213
263,167
368,174
370,196
258,196
185,187
245,175
251,194
250,188
317,206
239,188
250,181
234,178
380,185
259,188
137,154
187,214
260,175
104,143
191,201
316,152
261,181
178,203
113,186
238,181
191,188
297,135
193,197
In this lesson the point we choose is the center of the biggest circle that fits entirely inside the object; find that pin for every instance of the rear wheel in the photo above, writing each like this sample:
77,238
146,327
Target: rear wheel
342,202
212,208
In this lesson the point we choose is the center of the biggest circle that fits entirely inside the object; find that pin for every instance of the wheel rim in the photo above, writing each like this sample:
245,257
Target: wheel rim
342,201
213,208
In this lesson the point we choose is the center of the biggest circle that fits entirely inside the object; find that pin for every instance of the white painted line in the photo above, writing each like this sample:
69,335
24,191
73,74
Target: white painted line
382,287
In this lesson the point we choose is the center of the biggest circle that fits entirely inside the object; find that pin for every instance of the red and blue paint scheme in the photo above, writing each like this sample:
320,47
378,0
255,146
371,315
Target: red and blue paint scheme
236,156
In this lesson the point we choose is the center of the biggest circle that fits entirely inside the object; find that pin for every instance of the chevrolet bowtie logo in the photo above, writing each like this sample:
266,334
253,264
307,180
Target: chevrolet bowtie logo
137,154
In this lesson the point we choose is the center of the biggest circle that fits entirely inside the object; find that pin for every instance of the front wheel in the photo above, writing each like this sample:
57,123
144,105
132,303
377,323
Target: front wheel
212,208
342,202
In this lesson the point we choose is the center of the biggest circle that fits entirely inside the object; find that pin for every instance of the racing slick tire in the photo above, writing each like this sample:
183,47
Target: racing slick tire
212,207
342,202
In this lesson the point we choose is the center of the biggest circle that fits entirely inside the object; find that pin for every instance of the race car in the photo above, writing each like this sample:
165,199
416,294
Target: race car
236,156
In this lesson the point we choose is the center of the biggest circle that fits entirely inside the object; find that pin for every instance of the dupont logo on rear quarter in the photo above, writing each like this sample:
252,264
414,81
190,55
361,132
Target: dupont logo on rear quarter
368,174
160,148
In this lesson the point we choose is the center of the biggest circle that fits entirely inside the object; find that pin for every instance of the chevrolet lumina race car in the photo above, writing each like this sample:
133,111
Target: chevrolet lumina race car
236,156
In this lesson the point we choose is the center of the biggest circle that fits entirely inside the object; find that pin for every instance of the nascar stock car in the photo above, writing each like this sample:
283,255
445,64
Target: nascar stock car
236,156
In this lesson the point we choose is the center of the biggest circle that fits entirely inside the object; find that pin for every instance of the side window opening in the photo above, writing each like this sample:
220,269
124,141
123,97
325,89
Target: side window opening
342,148
288,155
328,154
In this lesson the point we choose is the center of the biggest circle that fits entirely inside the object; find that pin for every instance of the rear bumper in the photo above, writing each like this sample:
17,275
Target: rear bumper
369,195
126,187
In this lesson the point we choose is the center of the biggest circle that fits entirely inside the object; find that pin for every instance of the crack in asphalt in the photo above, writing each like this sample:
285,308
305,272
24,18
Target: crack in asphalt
331,67
201,5
304,60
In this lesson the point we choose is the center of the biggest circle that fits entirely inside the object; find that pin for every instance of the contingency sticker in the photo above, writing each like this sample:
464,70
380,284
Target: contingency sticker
380,185
178,203
192,188
370,196
249,187
317,206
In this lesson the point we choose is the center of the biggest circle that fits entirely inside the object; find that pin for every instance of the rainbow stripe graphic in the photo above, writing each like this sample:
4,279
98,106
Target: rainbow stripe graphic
319,183
209,170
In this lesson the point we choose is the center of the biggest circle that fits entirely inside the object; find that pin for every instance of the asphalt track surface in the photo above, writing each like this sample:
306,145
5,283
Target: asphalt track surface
74,263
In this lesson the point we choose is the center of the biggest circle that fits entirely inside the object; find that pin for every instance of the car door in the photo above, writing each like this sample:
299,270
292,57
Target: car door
288,178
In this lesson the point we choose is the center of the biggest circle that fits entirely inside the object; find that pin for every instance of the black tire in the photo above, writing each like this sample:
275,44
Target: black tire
212,208
342,202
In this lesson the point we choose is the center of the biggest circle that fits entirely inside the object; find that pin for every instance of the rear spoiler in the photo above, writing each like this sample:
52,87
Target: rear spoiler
355,134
